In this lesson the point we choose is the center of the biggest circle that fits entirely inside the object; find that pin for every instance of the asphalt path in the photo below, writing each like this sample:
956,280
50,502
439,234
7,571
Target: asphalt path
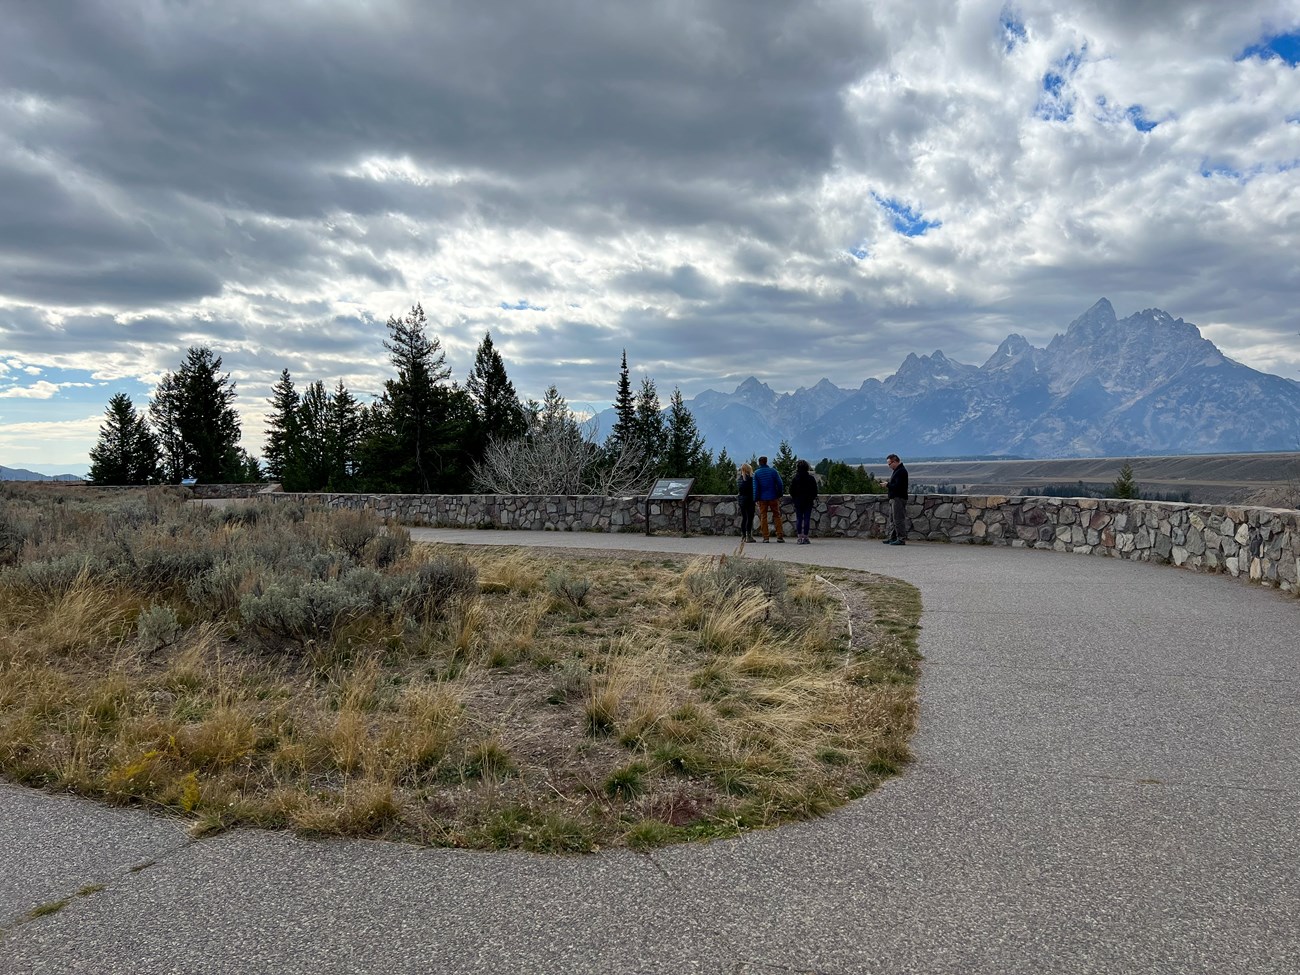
1107,776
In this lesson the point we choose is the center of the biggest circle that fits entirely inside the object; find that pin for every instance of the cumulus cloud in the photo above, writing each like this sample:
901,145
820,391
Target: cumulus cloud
40,390
722,188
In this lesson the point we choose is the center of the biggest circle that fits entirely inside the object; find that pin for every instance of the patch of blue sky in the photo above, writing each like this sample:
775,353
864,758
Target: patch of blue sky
1139,119
1213,170
1056,101
908,222
1283,46
1013,30
859,252
54,394
522,305
1210,171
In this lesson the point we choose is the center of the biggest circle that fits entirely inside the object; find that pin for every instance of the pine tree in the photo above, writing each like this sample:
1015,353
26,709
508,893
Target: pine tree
684,447
127,451
716,476
784,462
281,428
500,415
625,408
194,415
840,478
418,432
343,432
310,469
1125,486
648,433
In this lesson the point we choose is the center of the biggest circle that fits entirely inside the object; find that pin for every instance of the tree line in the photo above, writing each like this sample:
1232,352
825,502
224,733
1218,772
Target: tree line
424,434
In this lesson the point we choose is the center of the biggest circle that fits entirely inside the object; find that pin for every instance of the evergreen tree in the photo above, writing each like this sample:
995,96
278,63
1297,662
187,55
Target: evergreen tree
127,451
343,438
281,428
841,478
250,470
683,446
310,466
329,430
418,431
500,415
784,462
716,476
1125,486
648,433
194,415
625,408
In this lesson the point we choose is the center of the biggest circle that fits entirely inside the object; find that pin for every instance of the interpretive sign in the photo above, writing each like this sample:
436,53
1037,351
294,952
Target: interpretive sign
669,489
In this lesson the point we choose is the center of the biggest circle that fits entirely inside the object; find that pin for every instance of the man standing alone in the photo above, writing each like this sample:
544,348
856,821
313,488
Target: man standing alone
897,501
768,489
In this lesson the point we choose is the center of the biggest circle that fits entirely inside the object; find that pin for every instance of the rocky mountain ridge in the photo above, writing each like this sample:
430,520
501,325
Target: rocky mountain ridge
1146,384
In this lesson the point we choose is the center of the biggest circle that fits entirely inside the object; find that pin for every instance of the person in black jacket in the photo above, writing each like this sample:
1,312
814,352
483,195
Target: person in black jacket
897,501
745,495
803,492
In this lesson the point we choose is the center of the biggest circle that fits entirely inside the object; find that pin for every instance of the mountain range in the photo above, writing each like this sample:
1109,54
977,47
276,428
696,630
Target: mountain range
1142,385
22,474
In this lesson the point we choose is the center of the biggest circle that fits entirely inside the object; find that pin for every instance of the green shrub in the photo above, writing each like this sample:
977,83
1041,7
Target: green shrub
12,537
568,588
302,612
52,578
157,627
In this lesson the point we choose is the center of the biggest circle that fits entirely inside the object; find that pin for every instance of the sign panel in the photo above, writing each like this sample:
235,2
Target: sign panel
671,489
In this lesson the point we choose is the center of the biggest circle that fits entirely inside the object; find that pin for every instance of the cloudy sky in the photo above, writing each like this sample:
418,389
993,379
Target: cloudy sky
789,190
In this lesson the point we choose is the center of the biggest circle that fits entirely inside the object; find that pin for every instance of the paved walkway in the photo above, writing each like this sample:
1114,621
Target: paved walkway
1107,781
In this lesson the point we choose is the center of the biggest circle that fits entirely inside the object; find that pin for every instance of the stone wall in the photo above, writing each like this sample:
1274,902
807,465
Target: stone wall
1262,544
208,491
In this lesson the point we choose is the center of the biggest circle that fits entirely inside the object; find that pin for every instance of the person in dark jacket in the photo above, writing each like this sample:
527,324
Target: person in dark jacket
803,492
768,488
897,501
745,495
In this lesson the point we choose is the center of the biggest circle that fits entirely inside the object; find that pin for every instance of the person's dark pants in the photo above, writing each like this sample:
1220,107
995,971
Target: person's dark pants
898,525
802,521
746,519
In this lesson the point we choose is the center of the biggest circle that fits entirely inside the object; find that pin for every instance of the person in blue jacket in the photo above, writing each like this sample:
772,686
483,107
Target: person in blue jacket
768,489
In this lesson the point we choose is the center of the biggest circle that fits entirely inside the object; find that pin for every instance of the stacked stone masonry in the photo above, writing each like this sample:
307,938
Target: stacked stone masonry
1262,544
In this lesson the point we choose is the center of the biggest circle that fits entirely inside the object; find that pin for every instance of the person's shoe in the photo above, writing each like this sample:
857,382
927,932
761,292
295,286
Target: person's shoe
896,541
781,539
766,540
886,541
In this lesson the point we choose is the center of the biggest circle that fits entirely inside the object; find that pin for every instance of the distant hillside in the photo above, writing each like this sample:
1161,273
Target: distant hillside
1271,479
21,474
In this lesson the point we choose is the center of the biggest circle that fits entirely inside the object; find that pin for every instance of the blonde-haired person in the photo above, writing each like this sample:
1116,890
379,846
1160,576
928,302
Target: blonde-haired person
745,495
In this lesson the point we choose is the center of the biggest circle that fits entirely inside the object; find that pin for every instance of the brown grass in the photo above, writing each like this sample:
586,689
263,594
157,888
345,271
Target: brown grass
672,701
